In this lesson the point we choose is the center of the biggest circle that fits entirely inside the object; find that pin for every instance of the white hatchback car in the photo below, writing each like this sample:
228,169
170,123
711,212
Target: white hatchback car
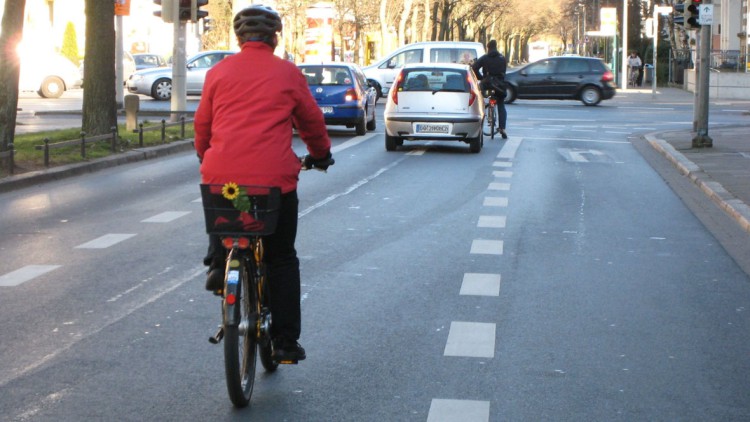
434,102
48,74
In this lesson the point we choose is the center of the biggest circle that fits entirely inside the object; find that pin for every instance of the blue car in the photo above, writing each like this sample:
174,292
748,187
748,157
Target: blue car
343,94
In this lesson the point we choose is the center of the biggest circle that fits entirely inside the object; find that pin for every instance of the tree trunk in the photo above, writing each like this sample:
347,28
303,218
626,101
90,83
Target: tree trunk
99,94
10,69
402,22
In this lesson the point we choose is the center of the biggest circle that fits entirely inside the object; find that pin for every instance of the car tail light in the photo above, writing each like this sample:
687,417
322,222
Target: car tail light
394,88
351,95
472,91
608,77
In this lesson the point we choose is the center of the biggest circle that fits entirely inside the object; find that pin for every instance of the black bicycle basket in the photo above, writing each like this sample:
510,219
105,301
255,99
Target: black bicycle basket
260,209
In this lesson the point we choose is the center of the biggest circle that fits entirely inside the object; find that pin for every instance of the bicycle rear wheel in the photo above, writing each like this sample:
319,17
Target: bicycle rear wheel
492,120
240,340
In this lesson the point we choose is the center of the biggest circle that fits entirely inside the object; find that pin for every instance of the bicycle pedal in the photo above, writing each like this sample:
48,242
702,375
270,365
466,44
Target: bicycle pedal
219,292
287,362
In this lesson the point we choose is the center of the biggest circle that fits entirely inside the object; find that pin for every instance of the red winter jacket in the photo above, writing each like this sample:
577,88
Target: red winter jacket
243,125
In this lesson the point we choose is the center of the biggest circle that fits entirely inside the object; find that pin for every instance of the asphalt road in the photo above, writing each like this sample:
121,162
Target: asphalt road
554,276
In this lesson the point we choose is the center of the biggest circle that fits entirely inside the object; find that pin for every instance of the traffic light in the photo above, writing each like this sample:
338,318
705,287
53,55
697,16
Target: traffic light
165,13
692,15
678,16
196,12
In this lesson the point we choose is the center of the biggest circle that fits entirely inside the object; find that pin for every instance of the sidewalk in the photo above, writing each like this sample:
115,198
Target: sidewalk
722,172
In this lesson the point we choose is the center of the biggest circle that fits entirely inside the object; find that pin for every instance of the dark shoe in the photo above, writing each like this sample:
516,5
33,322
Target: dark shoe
287,351
215,280
503,134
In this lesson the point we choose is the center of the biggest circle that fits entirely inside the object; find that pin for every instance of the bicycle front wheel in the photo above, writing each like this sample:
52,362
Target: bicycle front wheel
240,341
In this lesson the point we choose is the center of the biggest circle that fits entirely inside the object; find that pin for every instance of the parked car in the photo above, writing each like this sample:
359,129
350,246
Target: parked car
382,73
434,101
587,79
148,60
157,82
49,75
343,94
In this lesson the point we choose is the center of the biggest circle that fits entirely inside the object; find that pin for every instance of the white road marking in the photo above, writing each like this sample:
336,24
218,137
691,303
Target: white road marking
166,217
476,284
352,142
509,149
350,189
487,247
491,221
502,164
499,186
471,339
417,152
105,241
505,174
446,410
24,274
494,201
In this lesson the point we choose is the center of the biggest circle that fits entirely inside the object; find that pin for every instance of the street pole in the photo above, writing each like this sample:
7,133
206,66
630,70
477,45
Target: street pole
701,139
119,68
179,67
658,12
624,64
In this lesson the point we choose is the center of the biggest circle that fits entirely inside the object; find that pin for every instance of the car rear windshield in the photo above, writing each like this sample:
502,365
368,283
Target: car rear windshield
327,75
453,55
435,80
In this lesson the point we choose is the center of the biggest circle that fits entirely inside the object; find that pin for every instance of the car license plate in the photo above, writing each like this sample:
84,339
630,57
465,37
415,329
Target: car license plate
433,128
326,110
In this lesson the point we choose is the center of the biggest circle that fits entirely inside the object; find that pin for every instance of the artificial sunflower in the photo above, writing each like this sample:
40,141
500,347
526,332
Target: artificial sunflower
230,191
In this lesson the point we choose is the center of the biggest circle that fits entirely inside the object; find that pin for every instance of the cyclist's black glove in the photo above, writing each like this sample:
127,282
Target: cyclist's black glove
308,162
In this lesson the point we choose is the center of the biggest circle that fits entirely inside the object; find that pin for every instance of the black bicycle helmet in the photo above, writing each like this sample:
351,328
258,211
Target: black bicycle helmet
257,19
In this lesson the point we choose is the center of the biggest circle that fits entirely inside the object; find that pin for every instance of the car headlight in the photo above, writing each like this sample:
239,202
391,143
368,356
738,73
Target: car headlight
136,78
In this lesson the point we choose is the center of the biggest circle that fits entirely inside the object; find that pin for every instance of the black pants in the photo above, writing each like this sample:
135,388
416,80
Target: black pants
283,269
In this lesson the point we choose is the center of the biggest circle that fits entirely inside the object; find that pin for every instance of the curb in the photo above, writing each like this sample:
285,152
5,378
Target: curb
714,190
56,173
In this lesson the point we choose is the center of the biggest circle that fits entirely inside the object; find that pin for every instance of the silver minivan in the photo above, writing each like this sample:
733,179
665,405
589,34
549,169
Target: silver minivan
382,73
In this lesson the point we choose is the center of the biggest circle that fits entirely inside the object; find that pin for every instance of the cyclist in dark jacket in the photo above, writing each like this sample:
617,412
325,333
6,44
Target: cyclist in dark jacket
490,68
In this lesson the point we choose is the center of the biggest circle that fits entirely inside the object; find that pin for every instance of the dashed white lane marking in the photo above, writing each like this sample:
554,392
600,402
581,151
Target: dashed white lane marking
494,201
476,284
25,274
471,339
505,174
487,247
166,217
445,410
499,186
502,164
417,152
509,149
105,241
491,221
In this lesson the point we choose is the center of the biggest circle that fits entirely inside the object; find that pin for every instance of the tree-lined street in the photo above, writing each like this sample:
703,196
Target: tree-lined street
554,276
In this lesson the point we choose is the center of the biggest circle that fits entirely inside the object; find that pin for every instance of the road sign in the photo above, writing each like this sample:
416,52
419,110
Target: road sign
706,14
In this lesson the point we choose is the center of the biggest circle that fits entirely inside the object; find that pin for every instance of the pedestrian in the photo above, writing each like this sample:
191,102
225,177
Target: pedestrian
490,68
243,134
634,63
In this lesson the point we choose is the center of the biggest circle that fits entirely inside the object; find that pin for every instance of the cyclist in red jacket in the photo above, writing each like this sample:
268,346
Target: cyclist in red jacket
243,134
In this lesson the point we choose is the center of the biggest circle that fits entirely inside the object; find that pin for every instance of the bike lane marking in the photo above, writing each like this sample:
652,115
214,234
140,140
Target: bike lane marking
471,339
445,410
166,217
479,284
24,274
105,241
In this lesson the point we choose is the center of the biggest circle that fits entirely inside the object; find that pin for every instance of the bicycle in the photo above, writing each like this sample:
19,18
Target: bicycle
633,77
491,115
241,215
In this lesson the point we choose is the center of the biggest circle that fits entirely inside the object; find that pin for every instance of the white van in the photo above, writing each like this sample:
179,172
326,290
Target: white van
382,73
